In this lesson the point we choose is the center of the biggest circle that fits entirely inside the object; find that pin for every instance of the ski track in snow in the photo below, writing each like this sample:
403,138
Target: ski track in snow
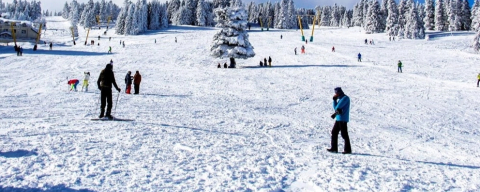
199,128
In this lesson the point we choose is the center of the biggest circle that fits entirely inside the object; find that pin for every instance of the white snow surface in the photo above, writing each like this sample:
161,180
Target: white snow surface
199,128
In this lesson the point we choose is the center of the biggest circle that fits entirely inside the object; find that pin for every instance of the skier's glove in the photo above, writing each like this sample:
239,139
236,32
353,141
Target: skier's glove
333,115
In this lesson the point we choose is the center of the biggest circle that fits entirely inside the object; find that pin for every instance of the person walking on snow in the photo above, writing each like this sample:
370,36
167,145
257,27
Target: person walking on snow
51,45
333,49
137,78
265,61
104,83
128,82
111,62
85,81
303,49
73,84
269,61
478,77
341,105
295,50
399,67
109,49
359,57
281,36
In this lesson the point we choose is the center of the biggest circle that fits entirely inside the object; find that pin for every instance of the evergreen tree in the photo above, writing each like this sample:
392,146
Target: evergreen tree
466,16
232,39
201,13
476,42
392,19
440,19
430,15
475,15
373,22
121,19
414,28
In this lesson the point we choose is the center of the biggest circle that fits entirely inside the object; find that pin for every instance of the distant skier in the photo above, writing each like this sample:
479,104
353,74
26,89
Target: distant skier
269,61
155,40
109,49
109,38
333,49
51,45
73,84
265,62
306,41
219,66
303,49
128,82
111,61
123,44
261,63
478,77
175,39
233,64
399,70
104,83
295,50
281,36
85,80
137,78
359,57
341,116
366,42
225,65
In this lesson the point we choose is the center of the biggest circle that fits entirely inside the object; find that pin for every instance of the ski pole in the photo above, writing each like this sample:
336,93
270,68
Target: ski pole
115,109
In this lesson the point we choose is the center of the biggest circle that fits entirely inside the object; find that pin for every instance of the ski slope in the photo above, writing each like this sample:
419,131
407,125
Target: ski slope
199,128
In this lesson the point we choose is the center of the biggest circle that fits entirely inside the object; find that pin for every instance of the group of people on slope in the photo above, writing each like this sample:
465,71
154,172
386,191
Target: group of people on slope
233,64
136,79
264,63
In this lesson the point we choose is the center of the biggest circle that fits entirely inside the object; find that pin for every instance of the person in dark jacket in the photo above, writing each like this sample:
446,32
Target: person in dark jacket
104,83
359,57
265,62
269,61
137,78
399,70
225,65
341,105
233,64
128,82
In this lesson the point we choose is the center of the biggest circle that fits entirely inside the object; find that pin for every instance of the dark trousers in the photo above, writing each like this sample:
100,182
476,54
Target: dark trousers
340,126
478,82
106,99
137,88
399,69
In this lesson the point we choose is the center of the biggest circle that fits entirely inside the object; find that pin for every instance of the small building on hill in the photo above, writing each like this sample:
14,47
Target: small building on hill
24,31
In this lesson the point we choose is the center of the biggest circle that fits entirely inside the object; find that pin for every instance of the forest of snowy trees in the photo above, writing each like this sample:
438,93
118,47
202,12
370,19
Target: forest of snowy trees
22,10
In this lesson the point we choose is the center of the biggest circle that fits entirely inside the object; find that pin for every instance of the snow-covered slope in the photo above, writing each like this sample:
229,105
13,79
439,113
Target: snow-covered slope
199,128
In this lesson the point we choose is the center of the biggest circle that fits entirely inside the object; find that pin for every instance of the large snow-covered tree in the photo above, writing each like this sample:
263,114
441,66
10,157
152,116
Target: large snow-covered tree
475,17
392,19
440,16
121,19
373,23
232,39
414,28
429,15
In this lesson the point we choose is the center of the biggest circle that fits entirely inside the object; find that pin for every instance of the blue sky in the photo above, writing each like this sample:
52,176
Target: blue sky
58,4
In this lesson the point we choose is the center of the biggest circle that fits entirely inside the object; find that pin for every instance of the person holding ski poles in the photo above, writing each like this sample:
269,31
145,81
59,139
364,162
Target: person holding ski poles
104,83
341,105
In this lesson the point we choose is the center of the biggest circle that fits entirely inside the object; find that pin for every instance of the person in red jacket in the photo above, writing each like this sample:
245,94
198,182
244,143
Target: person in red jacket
137,78
73,84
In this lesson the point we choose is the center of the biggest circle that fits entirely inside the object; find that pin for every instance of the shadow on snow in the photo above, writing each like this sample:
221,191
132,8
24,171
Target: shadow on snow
58,188
424,162
17,154
63,52
300,66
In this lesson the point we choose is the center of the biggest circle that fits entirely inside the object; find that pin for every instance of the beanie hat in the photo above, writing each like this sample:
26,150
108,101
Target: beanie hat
338,90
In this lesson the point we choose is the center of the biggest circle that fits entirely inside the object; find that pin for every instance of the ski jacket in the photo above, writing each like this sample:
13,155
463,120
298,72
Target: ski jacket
106,79
359,55
87,77
73,81
399,64
269,59
478,76
128,79
137,78
343,104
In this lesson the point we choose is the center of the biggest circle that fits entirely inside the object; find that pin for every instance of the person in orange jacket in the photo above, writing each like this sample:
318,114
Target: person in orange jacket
137,78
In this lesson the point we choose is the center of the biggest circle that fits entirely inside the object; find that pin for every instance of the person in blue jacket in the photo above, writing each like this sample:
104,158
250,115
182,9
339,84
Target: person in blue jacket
341,105
359,57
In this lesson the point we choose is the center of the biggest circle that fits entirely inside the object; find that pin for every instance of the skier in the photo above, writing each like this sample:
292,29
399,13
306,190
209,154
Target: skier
137,78
109,38
21,51
219,66
261,63
341,116
155,40
123,44
104,83
306,41
128,82
111,62
269,61
109,49
225,65
295,51
359,57
303,49
85,81
264,62
51,45
281,36
478,77
333,49
366,42
73,84
232,63
175,39
399,67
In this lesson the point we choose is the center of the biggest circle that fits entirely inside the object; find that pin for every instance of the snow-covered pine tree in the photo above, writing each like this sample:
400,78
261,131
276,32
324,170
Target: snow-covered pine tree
232,39
392,19
163,16
429,19
440,19
414,28
66,11
373,22
74,13
201,19
281,22
466,16
121,19
292,15
129,20
476,42
475,17
403,8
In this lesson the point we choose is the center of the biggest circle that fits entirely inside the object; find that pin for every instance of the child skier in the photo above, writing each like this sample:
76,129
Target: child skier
73,84
85,81
128,82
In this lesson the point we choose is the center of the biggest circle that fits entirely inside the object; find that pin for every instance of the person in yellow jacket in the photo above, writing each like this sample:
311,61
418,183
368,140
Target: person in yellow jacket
478,77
